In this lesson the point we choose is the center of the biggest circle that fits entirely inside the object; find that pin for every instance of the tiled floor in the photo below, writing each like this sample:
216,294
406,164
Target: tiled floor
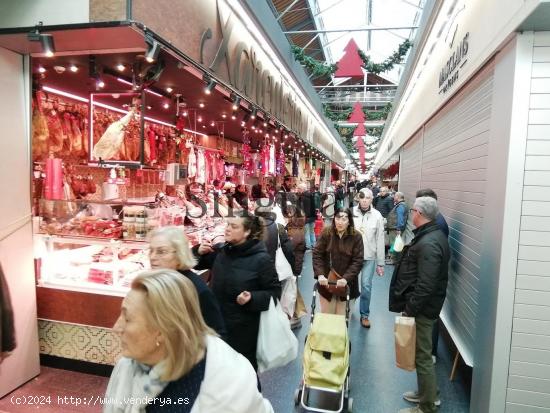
53,388
376,384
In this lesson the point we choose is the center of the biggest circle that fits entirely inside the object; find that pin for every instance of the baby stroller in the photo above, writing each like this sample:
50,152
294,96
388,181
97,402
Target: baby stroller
326,362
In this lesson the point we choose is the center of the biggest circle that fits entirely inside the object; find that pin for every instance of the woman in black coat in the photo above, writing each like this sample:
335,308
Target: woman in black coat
243,280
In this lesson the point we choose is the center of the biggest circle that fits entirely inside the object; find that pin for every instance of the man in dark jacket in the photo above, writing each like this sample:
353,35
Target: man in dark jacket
308,208
384,202
418,289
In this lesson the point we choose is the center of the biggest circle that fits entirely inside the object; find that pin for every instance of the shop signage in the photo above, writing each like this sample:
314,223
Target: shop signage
250,72
448,75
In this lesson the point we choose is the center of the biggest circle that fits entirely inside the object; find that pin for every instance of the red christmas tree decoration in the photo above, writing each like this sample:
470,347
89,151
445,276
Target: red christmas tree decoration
357,115
350,64
360,130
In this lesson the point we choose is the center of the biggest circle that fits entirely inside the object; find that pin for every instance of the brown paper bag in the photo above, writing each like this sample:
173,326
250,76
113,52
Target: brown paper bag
300,309
405,342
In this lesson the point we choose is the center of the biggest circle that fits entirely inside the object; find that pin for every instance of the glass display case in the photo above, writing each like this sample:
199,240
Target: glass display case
90,265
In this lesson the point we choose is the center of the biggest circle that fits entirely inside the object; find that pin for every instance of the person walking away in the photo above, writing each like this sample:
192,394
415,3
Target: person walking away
340,196
397,222
295,229
169,248
307,206
369,222
418,289
169,353
329,202
244,280
340,248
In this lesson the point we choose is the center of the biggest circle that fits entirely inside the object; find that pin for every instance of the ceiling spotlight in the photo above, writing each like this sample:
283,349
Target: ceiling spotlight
153,49
46,41
149,107
100,83
41,69
199,119
185,113
169,89
236,102
73,68
224,115
234,115
166,105
253,113
201,105
120,67
212,123
210,86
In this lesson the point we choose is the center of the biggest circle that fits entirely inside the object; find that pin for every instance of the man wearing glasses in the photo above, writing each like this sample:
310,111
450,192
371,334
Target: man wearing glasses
370,223
418,289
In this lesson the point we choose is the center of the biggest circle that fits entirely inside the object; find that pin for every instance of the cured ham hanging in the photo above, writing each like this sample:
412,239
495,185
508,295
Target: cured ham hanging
110,143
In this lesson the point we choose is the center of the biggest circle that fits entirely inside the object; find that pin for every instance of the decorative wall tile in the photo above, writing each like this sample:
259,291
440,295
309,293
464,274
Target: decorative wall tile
78,342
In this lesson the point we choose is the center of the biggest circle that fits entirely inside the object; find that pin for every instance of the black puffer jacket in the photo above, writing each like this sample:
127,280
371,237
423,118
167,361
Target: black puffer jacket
384,204
238,268
419,281
272,230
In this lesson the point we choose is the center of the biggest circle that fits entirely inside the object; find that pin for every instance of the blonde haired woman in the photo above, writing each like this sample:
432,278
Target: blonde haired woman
170,354
169,248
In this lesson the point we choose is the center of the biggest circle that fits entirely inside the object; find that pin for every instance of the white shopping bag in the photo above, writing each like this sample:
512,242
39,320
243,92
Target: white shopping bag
282,266
277,345
398,244
288,296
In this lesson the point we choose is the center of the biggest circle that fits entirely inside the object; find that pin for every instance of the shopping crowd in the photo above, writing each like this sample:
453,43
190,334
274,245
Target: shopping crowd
185,338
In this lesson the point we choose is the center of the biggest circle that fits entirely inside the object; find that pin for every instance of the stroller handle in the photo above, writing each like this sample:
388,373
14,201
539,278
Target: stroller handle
313,298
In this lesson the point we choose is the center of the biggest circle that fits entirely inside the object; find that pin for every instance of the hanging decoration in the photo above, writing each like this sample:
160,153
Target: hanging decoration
357,115
336,116
387,65
350,63
318,68
281,162
247,158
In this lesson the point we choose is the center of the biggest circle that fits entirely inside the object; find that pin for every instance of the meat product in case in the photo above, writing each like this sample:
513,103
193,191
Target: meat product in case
110,143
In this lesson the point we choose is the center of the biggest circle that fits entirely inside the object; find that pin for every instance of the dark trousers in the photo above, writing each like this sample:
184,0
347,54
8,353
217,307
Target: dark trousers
425,370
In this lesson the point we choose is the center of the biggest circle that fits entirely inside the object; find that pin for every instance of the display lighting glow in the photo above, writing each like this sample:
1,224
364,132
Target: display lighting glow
199,119
42,69
73,68
103,105
224,115
256,33
166,105
212,123
120,67
100,83
169,89
201,105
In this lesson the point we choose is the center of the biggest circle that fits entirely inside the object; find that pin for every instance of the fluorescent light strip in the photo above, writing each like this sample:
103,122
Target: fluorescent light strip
256,33
130,83
103,105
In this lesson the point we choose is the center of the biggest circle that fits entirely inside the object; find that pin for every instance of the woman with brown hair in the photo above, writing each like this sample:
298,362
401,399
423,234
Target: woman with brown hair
244,280
169,353
339,249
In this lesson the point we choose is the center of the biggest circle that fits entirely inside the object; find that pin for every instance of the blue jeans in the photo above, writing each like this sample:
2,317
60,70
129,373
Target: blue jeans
369,267
310,234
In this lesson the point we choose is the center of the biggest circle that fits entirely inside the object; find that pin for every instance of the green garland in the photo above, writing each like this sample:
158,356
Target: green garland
337,116
386,65
316,67
344,113
319,69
